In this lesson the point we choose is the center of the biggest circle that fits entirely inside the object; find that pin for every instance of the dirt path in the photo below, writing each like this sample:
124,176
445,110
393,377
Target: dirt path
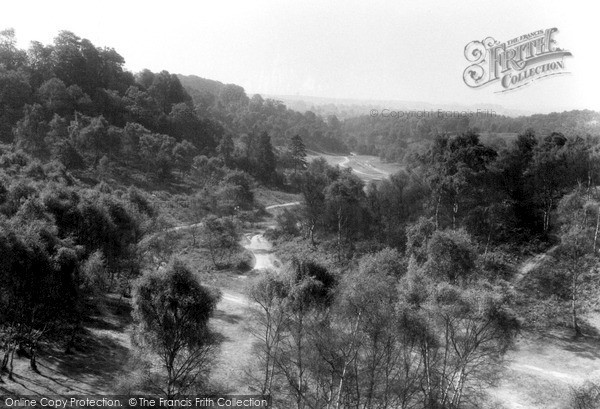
363,167
232,317
543,368
532,263
277,206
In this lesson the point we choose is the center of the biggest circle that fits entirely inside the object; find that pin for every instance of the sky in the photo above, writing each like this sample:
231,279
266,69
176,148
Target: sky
364,50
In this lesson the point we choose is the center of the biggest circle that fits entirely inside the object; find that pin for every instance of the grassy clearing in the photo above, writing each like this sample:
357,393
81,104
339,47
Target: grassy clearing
366,167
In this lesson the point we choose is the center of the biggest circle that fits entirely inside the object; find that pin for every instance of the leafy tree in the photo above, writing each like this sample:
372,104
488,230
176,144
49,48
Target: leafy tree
31,130
450,256
15,92
226,148
234,193
233,96
185,124
265,160
312,185
455,168
183,153
97,138
557,165
220,237
142,108
11,58
394,203
167,91
208,171
468,333
344,201
156,151
171,312
298,151
268,292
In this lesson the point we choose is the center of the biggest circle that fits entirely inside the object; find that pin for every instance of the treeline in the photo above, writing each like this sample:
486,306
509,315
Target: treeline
243,115
73,102
539,194
391,138
501,197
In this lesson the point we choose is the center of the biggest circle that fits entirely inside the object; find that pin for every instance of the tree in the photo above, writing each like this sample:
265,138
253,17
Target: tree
288,309
345,202
220,237
469,331
55,98
558,164
298,151
185,124
455,168
15,92
450,256
166,89
11,58
225,148
370,343
98,138
171,312
265,160
268,292
184,153
31,130
568,276
156,151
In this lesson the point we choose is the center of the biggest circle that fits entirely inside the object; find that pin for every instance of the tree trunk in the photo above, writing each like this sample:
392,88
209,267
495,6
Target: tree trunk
346,363
32,360
454,213
596,232
311,232
4,366
11,366
574,305
339,227
437,213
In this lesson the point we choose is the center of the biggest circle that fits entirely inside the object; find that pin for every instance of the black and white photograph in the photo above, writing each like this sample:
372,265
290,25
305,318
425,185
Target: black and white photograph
292,204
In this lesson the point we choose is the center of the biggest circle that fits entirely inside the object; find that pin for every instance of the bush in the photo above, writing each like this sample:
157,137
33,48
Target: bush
586,396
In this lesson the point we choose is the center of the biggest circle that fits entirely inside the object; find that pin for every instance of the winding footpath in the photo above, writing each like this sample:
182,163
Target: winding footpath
232,317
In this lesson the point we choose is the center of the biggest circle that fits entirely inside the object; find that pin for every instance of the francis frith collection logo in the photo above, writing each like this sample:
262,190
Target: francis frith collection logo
514,63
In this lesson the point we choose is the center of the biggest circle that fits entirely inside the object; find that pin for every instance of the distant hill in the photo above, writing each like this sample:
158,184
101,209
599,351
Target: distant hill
347,108
201,84
230,105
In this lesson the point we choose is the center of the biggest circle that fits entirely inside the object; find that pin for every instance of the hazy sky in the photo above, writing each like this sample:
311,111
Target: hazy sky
398,50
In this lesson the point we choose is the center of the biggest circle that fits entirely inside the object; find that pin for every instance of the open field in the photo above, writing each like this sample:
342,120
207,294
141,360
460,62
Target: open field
368,168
